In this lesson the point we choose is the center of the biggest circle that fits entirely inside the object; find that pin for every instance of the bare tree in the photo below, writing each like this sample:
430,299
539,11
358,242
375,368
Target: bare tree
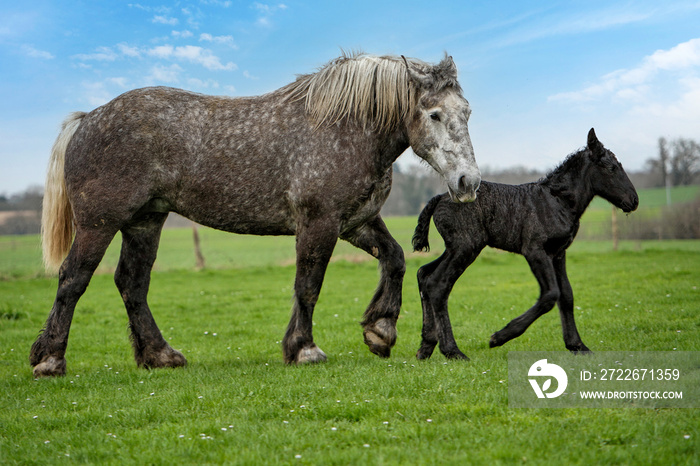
685,163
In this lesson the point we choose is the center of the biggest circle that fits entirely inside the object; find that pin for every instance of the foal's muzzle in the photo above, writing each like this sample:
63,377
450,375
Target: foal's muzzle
631,204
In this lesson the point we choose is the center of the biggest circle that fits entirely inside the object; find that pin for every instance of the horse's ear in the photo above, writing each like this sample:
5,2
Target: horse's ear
594,145
417,75
447,65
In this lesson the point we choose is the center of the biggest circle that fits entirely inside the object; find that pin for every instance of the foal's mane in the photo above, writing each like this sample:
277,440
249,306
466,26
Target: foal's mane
375,90
557,180
571,163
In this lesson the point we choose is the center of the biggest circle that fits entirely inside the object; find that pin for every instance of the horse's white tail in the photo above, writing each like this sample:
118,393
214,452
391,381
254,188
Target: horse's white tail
57,226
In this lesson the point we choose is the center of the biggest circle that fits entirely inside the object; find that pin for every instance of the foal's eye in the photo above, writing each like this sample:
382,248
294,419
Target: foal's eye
434,116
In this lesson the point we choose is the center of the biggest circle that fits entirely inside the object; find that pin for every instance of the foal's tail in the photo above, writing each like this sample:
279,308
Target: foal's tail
57,227
420,235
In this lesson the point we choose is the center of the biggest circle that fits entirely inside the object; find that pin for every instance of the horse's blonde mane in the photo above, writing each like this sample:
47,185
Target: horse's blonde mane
376,91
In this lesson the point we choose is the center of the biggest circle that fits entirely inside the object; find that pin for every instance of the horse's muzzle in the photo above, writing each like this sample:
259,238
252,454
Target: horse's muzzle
466,189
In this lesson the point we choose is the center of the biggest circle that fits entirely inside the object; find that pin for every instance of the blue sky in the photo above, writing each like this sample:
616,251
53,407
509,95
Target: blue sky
538,74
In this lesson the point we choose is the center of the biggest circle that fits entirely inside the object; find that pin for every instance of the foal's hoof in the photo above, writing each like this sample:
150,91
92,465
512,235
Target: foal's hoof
496,341
166,357
50,367
424,352
456,355
380,337
580,350
310,355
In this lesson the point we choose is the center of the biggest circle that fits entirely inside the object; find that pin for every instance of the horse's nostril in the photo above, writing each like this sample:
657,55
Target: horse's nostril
462,185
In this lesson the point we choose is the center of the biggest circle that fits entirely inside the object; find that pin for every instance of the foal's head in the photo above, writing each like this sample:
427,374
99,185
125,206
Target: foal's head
607,177
437,127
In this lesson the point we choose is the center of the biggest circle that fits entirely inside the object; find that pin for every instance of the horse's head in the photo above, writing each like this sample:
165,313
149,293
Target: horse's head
608,178
437,127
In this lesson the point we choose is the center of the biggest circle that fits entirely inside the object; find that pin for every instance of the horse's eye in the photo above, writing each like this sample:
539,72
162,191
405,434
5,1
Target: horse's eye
434,116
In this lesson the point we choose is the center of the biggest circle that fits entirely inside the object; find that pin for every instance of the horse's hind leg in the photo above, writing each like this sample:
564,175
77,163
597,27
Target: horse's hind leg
380,318
133,275
572,340
48,351
316,240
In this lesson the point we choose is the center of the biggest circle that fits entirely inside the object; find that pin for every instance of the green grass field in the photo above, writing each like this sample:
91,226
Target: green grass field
237,403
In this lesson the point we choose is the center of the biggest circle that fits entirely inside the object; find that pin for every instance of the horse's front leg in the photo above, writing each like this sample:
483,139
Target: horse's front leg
572,340
316,240
380,318
543,269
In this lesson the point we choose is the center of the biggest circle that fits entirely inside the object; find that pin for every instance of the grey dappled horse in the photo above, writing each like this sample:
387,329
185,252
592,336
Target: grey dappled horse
312,159
538,220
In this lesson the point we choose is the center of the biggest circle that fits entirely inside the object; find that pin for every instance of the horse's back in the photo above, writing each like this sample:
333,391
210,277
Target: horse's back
244,165
194,153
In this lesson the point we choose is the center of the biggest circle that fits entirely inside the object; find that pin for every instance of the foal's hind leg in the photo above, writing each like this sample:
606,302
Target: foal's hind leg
380,318
572,340
48,351
435,292
133,275
429,336
543,269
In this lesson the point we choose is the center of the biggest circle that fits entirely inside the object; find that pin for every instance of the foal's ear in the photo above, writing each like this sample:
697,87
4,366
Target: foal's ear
594,145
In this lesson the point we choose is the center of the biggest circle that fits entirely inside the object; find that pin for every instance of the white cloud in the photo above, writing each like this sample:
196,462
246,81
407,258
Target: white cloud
196,83
96,94
636,82
182,34
223,40
267,11
165,20
192,54
659,97
36,53
101,54
164,74
128,51
223,3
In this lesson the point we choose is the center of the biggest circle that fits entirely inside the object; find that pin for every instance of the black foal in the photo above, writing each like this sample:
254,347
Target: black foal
538,220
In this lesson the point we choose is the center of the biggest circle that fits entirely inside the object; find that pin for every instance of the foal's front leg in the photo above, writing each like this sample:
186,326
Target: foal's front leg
316,240
543,269
380,318
572,340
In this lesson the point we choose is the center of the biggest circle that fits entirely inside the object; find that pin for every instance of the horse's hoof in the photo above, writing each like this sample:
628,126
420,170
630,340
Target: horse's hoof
50,367
380,337
310,355
167,357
